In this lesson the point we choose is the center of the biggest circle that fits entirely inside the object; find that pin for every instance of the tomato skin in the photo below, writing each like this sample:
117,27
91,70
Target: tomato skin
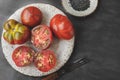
45,60
62,27
23,56
40,38
31,16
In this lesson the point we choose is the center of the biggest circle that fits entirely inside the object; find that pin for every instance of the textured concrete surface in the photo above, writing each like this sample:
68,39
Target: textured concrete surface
97,37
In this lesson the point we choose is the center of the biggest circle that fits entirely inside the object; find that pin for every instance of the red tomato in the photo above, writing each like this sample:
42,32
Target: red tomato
62,27
31,16
23,56
45,60
41,36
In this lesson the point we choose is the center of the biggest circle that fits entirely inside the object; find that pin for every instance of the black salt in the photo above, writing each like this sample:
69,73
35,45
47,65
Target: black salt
80,5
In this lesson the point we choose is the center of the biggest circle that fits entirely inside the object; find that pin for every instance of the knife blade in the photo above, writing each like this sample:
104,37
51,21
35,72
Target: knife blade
66,69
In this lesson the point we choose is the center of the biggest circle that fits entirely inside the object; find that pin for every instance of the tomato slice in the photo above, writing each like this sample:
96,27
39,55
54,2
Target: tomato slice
23,56
45,60
41,37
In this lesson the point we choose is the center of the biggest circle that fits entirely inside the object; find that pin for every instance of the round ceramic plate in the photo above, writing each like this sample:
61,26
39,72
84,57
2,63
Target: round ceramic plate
62,48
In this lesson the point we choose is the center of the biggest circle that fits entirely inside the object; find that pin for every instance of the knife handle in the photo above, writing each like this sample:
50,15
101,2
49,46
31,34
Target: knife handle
52,76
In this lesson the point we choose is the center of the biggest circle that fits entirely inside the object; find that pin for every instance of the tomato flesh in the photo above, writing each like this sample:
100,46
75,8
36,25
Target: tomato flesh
23,56
62,27
31,16
41,36
45,60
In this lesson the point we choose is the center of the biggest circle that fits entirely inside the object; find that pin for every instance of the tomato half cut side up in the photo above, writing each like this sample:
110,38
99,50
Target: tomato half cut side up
45,60
41,37
23,56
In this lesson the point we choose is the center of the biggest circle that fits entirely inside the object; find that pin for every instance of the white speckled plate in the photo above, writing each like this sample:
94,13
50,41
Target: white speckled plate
62,48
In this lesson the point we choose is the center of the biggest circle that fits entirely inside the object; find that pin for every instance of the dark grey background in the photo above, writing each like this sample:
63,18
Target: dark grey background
97,37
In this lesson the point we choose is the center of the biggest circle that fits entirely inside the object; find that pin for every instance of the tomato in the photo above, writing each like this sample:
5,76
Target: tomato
31,16
23,56
15,32
45,60
62,27
41,37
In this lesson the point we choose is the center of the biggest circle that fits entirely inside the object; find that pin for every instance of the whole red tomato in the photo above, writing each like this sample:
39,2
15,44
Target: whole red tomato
45,60
41,36
62,27
23,56
31,16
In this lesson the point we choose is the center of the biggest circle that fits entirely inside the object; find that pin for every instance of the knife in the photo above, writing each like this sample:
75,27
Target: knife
66,69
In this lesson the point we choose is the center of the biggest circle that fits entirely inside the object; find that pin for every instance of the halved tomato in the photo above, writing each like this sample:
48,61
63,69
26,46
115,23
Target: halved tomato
23,56
45,60
41,36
